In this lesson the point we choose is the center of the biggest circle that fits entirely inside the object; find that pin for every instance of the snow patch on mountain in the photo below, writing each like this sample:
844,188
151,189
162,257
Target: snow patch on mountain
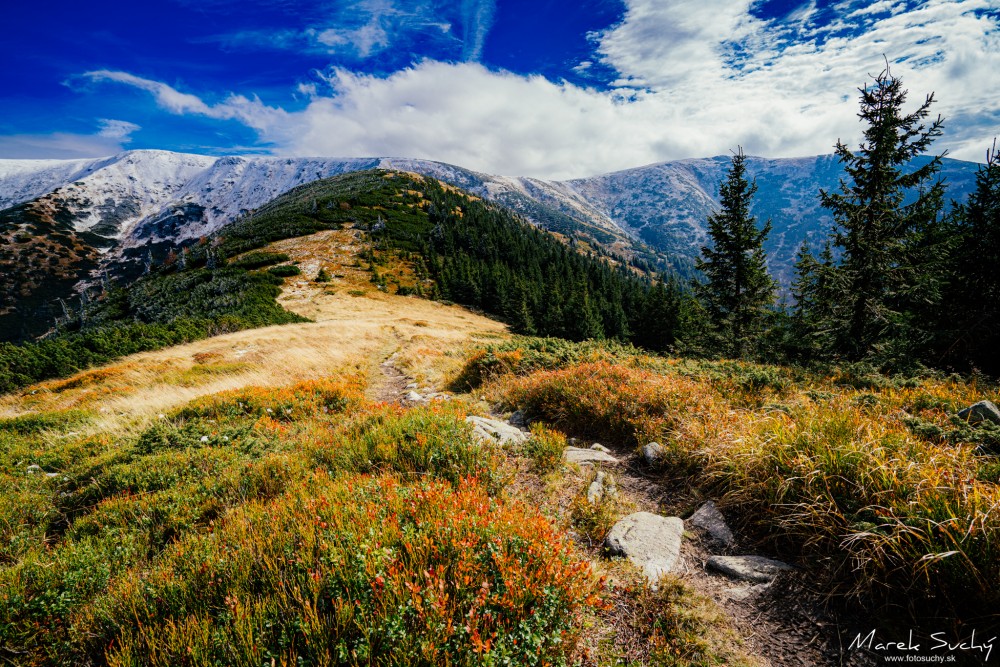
24,180
145,196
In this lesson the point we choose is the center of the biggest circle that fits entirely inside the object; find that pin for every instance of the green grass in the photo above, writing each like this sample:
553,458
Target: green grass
299,525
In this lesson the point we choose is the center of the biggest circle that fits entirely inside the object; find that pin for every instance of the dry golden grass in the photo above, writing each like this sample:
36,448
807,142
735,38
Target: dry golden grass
356,325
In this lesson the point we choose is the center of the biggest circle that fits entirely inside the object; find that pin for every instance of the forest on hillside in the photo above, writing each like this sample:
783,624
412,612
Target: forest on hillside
902,283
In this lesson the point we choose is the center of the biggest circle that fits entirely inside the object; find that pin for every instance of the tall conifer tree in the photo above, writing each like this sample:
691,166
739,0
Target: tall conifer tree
737,291
971,322
880,237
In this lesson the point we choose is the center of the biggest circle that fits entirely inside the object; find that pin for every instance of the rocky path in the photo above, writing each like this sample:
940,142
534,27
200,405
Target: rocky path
765,602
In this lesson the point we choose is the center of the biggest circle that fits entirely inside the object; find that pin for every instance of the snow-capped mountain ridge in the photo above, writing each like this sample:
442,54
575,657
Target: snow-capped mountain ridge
143,196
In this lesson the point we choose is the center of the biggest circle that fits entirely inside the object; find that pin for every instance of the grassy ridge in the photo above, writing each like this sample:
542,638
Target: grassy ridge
299,525
872,477
162,311
454,245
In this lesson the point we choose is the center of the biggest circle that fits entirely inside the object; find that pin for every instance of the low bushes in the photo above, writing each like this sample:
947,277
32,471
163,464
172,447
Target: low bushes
299,525
840,475
359,570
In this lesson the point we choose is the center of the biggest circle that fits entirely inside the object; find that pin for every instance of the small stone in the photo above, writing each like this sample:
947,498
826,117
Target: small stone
414,397
204,438
50,475
749,568
980,412
652,542
710,519
32,469
596,491
587,456
652,453
518,419
600,448
494,429
742,593
412,385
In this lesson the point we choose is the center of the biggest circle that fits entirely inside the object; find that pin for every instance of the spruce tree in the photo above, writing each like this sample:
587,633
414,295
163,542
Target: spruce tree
812,319
880,236
737,290
972,319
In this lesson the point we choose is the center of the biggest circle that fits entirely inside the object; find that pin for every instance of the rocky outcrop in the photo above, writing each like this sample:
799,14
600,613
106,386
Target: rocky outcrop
710,519
981,412
650,541
652,453
587,456
602,487
496,430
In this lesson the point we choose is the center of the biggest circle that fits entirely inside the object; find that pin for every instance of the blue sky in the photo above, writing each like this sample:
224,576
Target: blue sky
551,88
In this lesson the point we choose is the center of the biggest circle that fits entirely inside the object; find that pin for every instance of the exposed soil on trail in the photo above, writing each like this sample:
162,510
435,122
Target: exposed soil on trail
781,624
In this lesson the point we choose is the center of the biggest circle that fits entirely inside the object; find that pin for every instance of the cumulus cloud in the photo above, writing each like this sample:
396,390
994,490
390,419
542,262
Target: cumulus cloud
111,137
695,79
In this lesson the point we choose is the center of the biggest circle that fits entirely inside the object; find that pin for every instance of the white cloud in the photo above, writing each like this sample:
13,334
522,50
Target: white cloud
361,29
251,112
117,129
696,79
111,138
477,19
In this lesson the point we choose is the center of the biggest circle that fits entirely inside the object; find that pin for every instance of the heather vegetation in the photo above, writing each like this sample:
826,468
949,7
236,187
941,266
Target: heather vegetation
871,482
301,525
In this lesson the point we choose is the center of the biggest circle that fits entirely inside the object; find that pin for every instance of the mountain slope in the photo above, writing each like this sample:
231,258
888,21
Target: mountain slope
66,218
666,205
414,234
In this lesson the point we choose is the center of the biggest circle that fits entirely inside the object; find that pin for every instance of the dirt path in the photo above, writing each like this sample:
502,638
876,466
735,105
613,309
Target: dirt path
391,385
784,624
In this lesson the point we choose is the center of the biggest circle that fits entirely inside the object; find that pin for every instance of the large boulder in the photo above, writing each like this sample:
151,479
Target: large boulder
710,519
496,430
749,568
587,456
650,541
981,412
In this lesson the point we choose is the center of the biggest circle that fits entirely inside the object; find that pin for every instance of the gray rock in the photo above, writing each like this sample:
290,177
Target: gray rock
494,429
587,456
980,412
652,453
518,419
710,519
652,542
598,447
414,397
749,568
742,593
595,493
33,468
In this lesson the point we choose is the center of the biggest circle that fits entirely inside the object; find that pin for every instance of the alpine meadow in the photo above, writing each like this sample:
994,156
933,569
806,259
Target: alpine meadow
263,406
